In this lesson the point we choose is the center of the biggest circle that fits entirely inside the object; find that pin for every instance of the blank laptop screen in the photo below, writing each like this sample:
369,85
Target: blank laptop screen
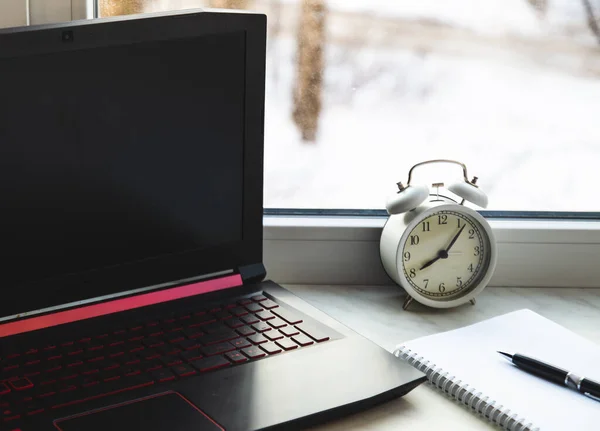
119,154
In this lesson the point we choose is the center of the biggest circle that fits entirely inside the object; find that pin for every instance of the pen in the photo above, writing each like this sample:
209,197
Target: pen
587,387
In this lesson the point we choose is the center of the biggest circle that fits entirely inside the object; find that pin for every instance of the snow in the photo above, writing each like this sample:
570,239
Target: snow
487,17
527,130
482,16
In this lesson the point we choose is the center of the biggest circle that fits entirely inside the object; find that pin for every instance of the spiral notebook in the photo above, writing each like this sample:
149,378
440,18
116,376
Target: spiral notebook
465,365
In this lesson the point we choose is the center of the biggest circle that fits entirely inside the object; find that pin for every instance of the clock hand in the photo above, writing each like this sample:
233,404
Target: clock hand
442,254
455,238
431,262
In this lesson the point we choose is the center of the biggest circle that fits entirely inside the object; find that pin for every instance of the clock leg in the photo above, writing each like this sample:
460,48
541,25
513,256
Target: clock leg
472,301
407,302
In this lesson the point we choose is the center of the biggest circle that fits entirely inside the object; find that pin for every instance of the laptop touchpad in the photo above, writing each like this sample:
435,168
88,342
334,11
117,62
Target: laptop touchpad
165,412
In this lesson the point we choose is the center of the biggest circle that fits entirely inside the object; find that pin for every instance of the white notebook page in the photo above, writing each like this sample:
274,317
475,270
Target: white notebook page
470,354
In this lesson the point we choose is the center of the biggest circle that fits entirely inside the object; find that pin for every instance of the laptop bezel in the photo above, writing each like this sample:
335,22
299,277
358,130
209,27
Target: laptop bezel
166,270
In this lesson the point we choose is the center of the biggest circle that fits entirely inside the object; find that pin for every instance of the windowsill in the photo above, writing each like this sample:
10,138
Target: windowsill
345,250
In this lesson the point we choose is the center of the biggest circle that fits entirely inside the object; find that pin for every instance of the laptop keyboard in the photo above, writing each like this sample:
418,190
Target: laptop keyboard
149,353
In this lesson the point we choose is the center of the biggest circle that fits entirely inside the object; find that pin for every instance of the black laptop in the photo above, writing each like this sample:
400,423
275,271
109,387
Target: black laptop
133,292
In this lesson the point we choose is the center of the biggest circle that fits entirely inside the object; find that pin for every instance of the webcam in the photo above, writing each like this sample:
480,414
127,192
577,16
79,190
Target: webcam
67,36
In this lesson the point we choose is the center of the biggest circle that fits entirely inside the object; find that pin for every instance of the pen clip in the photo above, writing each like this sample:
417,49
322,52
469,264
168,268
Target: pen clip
587,394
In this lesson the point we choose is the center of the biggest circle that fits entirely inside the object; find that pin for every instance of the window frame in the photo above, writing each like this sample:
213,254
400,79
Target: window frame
330,249
45,11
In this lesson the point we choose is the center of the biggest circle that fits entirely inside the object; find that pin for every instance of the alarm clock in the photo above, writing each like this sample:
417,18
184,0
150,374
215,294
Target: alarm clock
440,251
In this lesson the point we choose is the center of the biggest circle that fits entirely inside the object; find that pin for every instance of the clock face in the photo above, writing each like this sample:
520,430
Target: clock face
445,255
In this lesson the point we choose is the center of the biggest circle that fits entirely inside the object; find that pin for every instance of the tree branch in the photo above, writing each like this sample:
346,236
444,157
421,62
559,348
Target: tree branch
591,19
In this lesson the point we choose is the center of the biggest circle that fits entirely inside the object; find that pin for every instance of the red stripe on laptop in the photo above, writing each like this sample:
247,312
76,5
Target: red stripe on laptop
118,305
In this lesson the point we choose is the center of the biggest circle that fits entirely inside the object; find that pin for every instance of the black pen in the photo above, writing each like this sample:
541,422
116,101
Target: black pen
587,387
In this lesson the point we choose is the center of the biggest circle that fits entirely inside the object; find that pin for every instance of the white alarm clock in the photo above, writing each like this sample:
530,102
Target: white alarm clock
440,251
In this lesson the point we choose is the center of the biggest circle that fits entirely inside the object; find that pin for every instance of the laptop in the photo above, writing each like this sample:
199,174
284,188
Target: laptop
133,291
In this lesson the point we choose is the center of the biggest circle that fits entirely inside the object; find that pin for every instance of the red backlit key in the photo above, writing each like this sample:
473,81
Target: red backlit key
268,304
270,348
286,344
189,344
261,327
170,360
4,389
21,384
253,352
183,370
234,323
302,339
222,315
277,323
265,315
46,391
216,349
249,319
240,343
313,333
201,319
163,375
254,308
273,335
236,357
8,414
216,337
175,337
238,311
210,363
151,342
190,355
245,330
193,332
152,365
289,331
286,315
257,338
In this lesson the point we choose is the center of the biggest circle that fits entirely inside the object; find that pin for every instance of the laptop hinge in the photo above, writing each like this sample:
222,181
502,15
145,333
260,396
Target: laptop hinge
253,273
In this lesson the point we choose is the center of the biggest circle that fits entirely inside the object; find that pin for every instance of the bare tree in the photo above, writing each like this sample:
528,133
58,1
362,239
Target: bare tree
541,6
120,7
309,73
229,4
591,19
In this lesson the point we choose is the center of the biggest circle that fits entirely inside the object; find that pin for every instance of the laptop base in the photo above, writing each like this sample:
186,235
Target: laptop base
341,375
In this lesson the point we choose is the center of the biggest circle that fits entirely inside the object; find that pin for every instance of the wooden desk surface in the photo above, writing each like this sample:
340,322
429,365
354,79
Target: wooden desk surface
376,313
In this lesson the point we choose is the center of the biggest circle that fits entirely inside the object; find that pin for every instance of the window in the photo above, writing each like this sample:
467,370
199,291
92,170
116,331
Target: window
360,90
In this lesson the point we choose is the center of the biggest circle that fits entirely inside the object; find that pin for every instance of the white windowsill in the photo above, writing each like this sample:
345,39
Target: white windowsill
345,250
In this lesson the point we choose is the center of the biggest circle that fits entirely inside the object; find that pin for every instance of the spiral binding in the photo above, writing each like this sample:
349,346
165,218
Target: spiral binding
465,394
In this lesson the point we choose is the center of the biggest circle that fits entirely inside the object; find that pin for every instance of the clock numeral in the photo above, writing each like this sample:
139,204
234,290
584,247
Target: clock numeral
406,256
471,233
425,227
459,282
442,287
426,280
477,251
459,224
414,239
413,273
443,219
470,268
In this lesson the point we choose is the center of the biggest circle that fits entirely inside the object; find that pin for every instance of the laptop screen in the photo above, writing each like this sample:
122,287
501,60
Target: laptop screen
119,156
